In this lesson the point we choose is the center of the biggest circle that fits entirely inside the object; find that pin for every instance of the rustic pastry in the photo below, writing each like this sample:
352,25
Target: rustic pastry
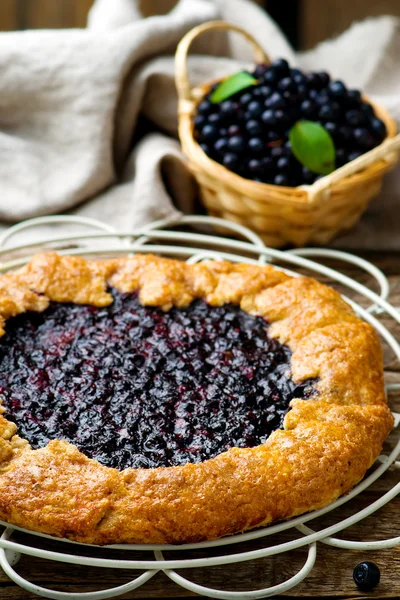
158,401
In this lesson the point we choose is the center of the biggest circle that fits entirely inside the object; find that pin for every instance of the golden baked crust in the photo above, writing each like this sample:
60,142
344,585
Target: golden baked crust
325,448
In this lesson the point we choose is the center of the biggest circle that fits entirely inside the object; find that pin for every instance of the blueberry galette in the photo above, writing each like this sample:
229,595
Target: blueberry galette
157,401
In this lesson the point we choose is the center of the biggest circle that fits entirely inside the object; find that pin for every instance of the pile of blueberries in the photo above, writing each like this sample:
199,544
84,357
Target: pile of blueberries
249,132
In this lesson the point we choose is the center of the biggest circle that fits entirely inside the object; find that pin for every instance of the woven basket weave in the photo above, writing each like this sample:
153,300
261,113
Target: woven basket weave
281,215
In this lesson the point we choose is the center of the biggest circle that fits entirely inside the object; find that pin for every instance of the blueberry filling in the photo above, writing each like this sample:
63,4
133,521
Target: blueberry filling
133,386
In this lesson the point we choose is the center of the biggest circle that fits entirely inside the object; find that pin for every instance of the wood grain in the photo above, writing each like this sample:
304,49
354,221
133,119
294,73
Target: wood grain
43,14
8,15
332,574
322,20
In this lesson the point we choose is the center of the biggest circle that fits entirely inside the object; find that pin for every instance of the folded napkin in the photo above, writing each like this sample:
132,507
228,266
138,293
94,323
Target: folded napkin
74,106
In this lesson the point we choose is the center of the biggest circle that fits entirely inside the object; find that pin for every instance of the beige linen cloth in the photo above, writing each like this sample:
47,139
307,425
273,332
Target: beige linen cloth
71,101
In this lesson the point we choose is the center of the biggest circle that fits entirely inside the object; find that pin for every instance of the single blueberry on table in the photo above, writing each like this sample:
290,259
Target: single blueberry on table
366,576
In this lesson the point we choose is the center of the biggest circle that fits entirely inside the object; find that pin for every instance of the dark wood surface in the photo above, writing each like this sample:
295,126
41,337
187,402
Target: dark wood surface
332,574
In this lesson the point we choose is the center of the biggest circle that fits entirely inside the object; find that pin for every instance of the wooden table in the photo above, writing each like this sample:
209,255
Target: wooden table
332,574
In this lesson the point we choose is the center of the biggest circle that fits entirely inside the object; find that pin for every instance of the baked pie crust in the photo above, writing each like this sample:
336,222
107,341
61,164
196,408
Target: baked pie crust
327,444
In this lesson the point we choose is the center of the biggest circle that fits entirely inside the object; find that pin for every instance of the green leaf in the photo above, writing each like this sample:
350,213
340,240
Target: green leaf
233,84
313,146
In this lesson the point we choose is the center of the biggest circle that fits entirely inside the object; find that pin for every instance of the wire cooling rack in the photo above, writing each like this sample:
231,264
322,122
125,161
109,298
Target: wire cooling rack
166,237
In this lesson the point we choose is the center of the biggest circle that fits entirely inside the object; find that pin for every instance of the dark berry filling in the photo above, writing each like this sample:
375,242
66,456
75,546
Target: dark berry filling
133,386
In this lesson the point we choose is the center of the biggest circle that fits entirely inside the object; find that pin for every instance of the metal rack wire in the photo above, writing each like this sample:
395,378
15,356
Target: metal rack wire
162,238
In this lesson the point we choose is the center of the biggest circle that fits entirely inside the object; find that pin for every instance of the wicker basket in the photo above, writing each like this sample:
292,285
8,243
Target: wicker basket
281,215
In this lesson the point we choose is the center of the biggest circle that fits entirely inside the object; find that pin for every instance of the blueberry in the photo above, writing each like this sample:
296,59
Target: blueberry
355,117
297,76
256,144
281,65
367,109
281,179
341,157
267,163
323,78
308,109
273,136
234,130
276,100
260,71
353,155
231,160
265,90
366,575
223,132
322,98
254,165
255,108
245,99
268,117
354,97
337,89
205,107
227,108
378,128
281,117
221,145
206,149
364,138
199,121
313,94
287,85
214,118
291,99
346,133
283,163
277,151
307,176
329,112
237,143
271,77
209,132
302,91
256,91
332,128
313,81
253,127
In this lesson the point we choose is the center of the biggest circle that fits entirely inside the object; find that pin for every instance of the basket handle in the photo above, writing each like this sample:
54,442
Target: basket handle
360,163
181,68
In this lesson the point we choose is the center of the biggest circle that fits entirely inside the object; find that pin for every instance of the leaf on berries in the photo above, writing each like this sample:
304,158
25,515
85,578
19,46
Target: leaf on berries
313,147
232,85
